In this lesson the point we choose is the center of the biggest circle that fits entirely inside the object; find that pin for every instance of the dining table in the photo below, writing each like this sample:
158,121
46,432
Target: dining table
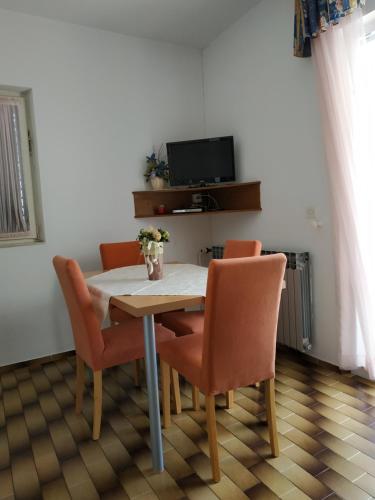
183,286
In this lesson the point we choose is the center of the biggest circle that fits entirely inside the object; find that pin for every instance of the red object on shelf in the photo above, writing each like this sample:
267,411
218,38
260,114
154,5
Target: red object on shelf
161,209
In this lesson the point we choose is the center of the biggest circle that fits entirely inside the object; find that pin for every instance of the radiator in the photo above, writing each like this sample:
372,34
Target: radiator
294,328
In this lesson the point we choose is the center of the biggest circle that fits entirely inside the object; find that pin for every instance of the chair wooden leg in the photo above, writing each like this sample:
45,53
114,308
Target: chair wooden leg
212,437
195,397
165,393
137,372
229,396
271,415
98,400
80,383
176,391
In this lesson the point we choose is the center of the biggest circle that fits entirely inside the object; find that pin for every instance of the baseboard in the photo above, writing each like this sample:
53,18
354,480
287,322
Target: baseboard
35,363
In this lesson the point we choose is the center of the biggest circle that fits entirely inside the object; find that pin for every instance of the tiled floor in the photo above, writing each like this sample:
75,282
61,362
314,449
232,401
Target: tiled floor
326,426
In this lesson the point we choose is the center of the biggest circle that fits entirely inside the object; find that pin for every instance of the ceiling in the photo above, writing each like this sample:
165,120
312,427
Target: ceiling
193,23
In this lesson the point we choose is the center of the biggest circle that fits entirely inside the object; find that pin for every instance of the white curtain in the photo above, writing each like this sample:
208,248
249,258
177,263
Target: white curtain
344,63
13,207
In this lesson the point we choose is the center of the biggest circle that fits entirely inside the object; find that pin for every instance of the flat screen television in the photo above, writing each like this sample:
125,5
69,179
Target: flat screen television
202,161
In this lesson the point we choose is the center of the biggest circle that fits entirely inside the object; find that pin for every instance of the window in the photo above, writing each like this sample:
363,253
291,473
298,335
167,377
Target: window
19,201
369,23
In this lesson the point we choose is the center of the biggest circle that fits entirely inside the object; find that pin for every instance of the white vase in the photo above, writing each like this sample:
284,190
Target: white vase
157,183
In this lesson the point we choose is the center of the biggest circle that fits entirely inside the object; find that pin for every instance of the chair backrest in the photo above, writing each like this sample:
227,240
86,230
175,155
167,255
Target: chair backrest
126,253
87,333
242,248
241,314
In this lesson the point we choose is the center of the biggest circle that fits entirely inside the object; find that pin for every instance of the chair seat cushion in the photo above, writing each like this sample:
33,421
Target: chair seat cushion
124,342
185,355
117,315
184,323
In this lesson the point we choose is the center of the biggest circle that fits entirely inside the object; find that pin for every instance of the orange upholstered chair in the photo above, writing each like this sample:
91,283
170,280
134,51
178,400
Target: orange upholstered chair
125,253
238,344
95,347
242,248
122,254
188,322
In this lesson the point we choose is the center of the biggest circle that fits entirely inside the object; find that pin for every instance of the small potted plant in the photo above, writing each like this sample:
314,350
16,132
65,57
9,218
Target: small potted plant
152,247
157,171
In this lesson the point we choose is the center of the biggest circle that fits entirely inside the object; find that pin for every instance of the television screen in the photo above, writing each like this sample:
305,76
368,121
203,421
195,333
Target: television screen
201,161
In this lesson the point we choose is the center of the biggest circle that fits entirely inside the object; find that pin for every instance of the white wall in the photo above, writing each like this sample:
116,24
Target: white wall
101,101
256,90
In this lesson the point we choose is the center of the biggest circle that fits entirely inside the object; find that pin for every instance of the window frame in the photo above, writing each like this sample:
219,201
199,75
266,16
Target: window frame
35,235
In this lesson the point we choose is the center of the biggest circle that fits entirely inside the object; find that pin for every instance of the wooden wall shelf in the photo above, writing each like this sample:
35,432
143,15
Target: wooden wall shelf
236,197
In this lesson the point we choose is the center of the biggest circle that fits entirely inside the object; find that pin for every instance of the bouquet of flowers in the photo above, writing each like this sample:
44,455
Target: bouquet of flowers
156,167
151,234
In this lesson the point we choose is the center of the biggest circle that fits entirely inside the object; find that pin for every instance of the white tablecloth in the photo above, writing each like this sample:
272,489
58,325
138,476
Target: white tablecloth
179,279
